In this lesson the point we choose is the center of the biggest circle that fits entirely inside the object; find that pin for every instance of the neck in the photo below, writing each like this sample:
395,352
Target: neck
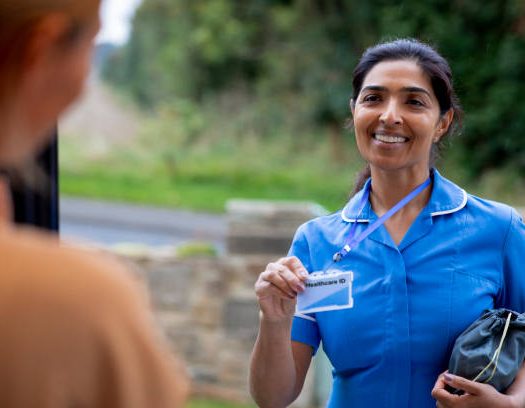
6,210
18,117
390,187
14,131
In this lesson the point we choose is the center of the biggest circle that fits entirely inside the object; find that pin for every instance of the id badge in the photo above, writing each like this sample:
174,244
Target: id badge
331,290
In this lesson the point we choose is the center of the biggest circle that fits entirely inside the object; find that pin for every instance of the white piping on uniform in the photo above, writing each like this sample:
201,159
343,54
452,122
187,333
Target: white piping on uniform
303,316
459,207
463,203
345,218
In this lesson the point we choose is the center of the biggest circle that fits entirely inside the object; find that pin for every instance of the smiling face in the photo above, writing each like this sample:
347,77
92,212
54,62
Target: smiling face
397,117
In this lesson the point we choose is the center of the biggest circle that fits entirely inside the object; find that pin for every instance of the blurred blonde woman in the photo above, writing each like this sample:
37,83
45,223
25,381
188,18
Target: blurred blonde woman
76,330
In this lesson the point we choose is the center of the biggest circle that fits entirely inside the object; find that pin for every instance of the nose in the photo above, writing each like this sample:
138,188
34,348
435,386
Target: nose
391,114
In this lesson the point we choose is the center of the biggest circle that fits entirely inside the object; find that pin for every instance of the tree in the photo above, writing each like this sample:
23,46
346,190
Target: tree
295,59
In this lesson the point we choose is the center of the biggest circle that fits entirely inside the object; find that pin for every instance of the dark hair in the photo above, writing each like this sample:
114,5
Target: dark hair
432,64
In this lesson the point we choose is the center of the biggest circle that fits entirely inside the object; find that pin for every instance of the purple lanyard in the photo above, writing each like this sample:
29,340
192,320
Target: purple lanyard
352,241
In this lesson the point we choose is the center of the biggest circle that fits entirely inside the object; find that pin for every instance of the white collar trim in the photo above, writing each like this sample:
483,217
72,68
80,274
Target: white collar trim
459,207
345,218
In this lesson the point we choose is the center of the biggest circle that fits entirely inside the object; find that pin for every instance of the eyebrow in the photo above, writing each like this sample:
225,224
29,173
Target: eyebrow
408,89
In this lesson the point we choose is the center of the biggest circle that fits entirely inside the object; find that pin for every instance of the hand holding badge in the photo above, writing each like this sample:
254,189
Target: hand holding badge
326,291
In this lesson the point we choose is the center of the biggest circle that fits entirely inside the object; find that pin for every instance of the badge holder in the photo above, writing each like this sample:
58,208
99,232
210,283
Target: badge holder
331,290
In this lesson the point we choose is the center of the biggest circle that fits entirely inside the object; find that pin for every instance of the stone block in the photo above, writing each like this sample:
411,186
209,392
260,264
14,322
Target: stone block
254,211
203,374
265,227
240,317
207,312
170,285
249,243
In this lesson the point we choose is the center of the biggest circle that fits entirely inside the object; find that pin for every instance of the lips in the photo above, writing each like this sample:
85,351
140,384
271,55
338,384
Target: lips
389,138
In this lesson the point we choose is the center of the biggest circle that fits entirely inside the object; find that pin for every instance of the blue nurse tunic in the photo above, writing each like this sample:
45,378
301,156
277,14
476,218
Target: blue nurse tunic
460,256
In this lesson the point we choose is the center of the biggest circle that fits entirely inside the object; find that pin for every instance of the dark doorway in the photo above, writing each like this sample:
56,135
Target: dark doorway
38,205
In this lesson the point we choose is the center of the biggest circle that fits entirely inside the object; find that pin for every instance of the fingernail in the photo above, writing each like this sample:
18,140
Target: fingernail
448,377
301,286
304,273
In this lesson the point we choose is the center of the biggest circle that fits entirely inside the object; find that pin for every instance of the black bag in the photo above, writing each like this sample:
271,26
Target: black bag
491,350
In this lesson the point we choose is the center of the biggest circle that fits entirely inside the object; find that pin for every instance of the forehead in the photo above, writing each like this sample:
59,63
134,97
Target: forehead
398,74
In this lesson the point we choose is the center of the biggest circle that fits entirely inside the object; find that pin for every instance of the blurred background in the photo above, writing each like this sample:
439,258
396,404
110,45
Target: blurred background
194,103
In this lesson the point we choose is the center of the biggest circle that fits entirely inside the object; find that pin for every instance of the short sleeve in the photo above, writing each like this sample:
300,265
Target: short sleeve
305,330
304,327
513,290
300,248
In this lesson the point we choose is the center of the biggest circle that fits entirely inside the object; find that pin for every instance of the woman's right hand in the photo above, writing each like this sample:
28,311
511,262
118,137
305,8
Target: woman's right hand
277,288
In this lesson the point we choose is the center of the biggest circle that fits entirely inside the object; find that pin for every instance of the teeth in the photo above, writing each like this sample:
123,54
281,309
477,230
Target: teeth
389,139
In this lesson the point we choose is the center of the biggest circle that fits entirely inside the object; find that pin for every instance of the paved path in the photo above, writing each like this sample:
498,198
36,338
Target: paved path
109,223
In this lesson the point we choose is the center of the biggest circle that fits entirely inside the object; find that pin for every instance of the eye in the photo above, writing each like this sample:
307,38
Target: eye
415,102
371,98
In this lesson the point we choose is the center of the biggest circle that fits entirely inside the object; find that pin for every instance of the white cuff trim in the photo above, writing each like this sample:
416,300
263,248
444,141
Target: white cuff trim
306,317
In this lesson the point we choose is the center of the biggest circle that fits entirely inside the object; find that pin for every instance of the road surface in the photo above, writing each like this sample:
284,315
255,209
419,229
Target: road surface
109,223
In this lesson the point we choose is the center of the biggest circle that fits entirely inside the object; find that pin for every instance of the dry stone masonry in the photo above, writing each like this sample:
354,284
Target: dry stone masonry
206,304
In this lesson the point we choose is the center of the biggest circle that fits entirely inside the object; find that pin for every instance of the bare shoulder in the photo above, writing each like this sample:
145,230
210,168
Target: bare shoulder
77,318
40,265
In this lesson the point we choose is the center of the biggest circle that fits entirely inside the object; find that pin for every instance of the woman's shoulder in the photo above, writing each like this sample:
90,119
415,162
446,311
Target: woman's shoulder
81,310
329,222
490,209
31,259
450,198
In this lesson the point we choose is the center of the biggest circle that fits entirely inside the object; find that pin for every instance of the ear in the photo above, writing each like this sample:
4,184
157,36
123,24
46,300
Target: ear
352,106
44,38
443,124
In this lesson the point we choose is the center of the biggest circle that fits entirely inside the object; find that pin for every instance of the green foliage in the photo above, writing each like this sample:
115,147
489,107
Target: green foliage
287,67
192,249
228,160
486,49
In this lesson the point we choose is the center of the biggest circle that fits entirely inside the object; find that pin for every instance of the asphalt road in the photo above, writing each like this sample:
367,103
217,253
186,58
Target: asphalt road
109,223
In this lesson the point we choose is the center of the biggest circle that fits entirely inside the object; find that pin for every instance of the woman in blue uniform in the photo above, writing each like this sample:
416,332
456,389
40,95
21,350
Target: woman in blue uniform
421,274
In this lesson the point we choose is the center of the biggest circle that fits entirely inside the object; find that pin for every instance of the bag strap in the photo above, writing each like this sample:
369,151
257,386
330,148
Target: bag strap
495,357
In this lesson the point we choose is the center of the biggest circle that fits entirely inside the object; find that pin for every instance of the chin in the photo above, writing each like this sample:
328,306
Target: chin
390,167
385,165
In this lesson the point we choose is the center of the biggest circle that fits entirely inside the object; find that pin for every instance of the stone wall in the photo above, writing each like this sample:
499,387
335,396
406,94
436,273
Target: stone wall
207,305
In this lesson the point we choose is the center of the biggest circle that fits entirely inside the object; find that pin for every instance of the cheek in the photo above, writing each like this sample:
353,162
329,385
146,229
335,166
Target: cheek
426,125
362,121
82,63
362,142
80,66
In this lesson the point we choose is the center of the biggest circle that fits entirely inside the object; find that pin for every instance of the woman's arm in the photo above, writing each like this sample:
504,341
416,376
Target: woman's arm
477,394
517,389
278,365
